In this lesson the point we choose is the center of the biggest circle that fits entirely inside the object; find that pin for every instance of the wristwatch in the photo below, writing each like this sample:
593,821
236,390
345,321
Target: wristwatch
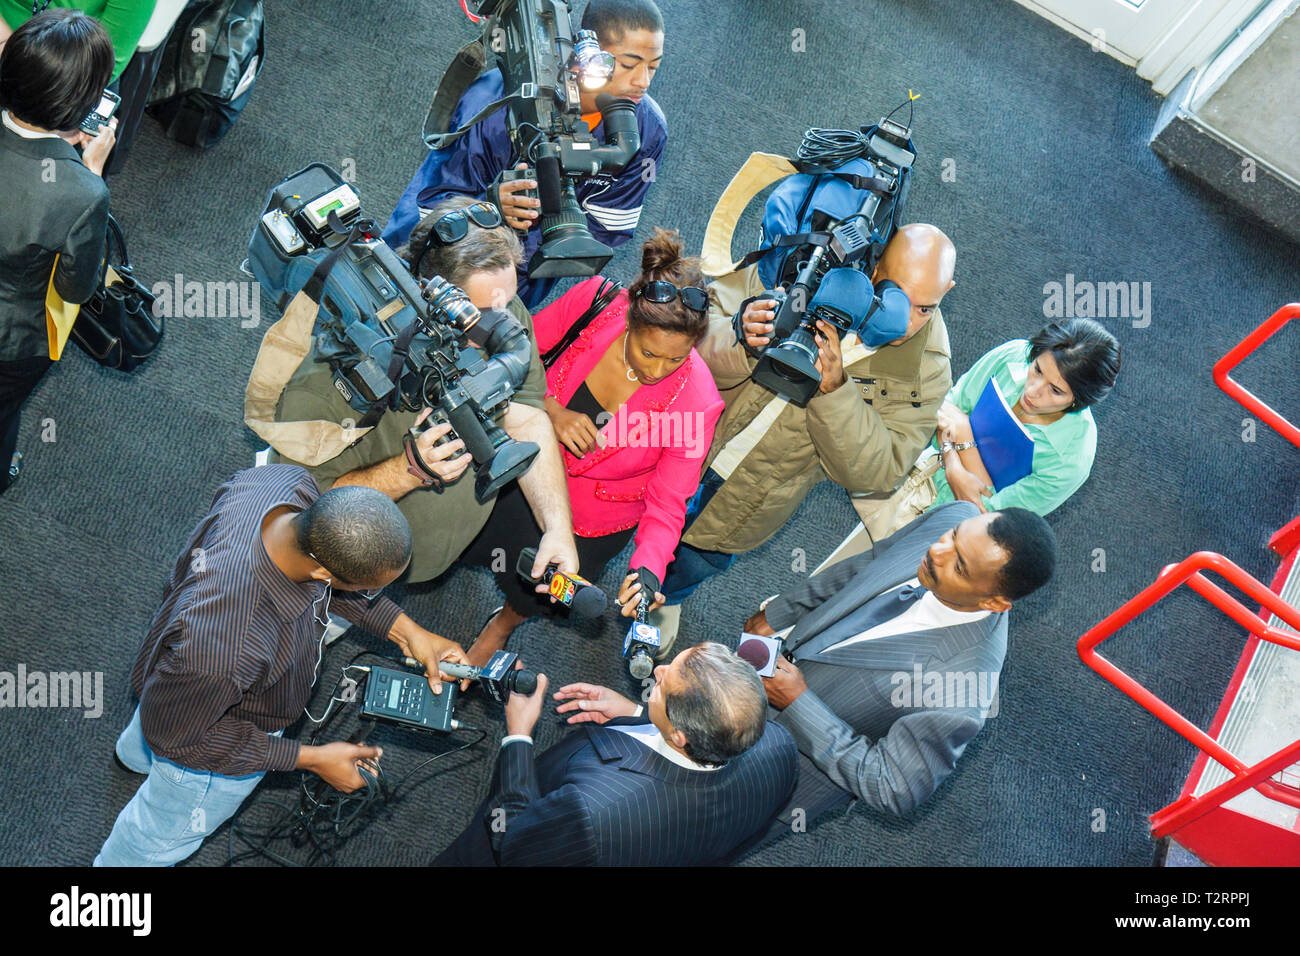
948,446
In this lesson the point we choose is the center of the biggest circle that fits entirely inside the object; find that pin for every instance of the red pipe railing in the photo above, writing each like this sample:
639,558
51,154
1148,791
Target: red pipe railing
1187,809
1249,344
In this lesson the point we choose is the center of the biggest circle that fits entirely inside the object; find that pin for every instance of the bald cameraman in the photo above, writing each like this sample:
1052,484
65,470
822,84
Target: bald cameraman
863,429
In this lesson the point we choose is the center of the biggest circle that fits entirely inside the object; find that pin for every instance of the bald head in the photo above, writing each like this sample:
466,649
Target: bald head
921,259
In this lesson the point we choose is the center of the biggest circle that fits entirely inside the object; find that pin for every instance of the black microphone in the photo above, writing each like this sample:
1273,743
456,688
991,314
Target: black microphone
574,592
642,640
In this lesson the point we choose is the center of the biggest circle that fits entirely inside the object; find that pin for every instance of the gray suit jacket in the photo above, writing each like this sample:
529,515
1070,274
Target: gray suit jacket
52,205
884,719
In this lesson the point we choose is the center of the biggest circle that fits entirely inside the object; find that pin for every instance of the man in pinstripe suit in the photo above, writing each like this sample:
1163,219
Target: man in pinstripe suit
694,781
893,655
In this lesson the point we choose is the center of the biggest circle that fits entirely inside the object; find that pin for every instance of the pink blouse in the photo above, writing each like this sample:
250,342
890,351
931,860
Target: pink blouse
655,446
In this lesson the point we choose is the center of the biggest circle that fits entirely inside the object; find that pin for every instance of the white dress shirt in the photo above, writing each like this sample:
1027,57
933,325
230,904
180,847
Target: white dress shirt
24,133
926,614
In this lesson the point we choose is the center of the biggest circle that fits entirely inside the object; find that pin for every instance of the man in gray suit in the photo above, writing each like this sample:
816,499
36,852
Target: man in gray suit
892,656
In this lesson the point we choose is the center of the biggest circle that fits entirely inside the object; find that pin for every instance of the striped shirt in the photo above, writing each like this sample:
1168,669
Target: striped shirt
231,655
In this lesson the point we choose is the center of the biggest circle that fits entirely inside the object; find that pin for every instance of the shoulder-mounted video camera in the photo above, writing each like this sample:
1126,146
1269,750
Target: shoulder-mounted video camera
824,231
392,343
545,64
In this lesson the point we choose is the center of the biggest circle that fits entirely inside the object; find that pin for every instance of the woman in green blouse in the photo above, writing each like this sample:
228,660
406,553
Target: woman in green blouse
1049,381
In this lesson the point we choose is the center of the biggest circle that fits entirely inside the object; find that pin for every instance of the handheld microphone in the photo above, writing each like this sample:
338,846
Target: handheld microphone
574,592
760,652
499,678
642,639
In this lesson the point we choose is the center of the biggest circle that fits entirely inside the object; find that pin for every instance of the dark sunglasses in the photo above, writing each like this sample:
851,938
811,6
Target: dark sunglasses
662,291
454,226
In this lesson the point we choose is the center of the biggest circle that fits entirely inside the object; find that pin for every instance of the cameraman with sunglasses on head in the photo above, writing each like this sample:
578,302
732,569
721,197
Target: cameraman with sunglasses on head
466,242
632,31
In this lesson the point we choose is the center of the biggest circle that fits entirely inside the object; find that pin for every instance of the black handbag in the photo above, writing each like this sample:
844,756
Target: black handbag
117,327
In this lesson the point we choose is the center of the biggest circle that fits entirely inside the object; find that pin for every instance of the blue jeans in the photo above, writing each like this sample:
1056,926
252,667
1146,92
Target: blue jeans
693,566
174,809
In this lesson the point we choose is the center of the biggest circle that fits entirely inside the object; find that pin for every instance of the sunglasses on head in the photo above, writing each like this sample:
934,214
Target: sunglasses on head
662,291
454,226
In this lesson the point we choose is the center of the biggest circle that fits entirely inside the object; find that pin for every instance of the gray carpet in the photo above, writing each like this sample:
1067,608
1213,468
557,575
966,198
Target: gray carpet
1047,140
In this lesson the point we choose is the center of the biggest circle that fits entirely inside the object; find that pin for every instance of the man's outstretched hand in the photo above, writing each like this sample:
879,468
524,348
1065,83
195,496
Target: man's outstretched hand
593,703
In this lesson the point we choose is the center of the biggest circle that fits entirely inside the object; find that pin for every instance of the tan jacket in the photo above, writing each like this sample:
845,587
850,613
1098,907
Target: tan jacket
864,436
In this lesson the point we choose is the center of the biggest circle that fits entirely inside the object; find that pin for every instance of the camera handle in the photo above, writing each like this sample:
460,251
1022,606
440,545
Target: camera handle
416,466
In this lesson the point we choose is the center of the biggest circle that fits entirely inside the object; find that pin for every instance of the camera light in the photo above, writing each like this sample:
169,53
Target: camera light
592,64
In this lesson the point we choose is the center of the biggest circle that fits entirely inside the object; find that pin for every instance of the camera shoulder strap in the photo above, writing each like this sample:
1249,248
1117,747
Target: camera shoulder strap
608,291
284,347
759,171
465,68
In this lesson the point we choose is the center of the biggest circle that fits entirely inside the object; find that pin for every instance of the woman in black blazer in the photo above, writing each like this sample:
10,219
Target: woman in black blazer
53,70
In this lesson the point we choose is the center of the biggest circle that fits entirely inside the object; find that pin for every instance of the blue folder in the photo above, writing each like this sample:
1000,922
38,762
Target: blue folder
1004,443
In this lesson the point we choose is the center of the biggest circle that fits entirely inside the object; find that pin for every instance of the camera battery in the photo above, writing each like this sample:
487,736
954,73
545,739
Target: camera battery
284,232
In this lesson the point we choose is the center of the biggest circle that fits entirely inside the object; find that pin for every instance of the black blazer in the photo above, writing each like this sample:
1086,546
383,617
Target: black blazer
601,798
51,204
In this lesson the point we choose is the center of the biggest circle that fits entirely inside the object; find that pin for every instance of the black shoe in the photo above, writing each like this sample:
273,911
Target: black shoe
118,760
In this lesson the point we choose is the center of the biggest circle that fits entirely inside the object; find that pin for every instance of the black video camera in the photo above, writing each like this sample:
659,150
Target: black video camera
543,61
391,343
829,276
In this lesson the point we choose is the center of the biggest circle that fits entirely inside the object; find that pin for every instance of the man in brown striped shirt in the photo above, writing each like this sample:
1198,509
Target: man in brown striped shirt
231,656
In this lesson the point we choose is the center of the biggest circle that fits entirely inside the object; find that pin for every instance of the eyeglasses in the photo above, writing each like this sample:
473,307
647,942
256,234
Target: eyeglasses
369,594
454,226
661,291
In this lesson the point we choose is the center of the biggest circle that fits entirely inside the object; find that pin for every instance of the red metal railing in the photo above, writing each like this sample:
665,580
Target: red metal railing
1187,809
1249,344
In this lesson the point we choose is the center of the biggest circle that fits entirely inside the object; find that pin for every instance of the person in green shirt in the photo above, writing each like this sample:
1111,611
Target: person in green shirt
1051,380
124,20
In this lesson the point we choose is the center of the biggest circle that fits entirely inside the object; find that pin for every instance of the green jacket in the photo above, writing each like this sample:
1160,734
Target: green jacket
123,20
864,436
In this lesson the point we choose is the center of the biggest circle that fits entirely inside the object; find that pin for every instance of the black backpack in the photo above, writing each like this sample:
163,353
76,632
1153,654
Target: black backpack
208,70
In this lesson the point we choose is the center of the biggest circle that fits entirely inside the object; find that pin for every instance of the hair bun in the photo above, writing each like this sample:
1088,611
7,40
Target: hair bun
661,251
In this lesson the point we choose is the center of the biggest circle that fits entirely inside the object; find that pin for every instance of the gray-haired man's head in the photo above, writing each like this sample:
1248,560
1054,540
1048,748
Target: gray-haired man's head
709,703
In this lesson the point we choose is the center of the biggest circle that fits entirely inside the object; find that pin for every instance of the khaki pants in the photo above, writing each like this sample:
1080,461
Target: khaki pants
881,517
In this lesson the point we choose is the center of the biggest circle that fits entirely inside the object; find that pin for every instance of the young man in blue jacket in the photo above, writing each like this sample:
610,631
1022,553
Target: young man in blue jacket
632,31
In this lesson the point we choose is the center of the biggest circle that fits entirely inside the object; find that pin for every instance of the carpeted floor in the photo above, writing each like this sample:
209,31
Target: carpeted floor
1044,143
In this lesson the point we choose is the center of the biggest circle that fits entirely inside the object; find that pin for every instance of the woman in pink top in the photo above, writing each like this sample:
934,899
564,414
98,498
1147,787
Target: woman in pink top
634,408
